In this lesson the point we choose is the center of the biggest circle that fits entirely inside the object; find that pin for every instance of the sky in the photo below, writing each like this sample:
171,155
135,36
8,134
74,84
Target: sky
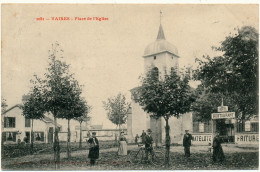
106,56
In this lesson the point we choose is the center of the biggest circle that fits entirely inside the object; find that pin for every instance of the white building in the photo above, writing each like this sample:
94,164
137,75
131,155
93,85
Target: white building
16,127
162,56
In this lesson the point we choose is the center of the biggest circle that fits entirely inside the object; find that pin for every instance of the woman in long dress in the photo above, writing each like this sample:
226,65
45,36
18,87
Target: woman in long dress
122,144
94,149
218,154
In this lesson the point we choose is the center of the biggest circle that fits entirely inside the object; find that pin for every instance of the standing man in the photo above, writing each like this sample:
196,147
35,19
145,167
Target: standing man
143,136
94,149
148,141
187,143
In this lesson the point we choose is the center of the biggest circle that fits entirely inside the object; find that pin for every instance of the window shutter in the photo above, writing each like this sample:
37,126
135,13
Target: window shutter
42,136
14,136
4,136
14,122
5,122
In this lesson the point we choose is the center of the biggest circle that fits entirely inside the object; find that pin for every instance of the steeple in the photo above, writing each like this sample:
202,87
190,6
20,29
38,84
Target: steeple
160,33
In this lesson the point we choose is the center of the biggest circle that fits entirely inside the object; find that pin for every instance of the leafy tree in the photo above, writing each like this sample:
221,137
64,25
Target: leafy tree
235,73
165,97
117,108
74,106
33,108
60,93
83,118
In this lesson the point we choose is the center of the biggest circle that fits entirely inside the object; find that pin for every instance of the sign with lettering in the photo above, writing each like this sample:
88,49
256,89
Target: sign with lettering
203,139
222,108
247,138
247,126
224,115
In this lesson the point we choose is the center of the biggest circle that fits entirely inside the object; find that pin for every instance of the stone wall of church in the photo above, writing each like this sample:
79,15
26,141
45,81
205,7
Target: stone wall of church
138,122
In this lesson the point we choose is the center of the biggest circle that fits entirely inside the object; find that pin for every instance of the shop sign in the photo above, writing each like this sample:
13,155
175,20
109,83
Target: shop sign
247,126
222,108
201,127
224,115
202,138
247,138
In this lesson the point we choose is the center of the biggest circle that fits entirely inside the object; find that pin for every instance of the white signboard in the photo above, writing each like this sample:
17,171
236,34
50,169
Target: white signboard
247,126
202,138
224,115
247,138
201,127
222,108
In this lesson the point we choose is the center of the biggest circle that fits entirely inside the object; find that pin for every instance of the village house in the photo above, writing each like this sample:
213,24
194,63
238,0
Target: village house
16,128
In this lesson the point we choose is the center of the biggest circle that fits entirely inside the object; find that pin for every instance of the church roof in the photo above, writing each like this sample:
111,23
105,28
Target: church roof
160,45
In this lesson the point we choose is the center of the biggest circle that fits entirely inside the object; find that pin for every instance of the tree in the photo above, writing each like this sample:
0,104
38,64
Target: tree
33,108
207,103
60,93
74,106
117,108
235,73
165,97
83,118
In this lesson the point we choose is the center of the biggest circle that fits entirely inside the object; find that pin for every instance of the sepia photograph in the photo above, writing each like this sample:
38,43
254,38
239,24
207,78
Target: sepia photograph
129,86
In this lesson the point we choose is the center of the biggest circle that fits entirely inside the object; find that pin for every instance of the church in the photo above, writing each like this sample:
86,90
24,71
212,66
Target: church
163,56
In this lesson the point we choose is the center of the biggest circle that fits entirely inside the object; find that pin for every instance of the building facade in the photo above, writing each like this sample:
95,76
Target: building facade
16,128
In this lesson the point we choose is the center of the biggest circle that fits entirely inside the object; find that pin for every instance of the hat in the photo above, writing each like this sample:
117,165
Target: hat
94,133
186,130
149,130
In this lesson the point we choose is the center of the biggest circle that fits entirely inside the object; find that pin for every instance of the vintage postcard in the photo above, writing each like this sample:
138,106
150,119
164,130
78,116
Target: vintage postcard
129,86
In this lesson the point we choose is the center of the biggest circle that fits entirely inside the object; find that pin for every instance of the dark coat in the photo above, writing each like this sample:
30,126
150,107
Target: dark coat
94,148
218,153
148,141
187,140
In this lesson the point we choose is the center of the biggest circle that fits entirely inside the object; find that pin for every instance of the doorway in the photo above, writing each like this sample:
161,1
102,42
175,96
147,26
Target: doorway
50,135
226,130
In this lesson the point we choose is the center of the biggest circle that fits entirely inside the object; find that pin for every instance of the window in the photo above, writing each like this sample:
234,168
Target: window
39,136
27,122
9,122
154,57
9,136
254,126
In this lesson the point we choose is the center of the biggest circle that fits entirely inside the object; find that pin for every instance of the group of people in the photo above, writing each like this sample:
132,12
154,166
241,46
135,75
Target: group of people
218,154
147,140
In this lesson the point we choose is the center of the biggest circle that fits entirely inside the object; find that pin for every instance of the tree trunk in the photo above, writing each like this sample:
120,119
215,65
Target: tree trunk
68,141
56,146
168,142
156,132
80,135
32,138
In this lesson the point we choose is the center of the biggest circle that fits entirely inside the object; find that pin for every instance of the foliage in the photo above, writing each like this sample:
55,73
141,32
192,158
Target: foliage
3,105
33,107
165,97
117,108
85,110
207,103
235,73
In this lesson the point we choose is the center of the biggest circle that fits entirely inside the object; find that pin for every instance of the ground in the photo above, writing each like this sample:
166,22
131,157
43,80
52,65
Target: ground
237,157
